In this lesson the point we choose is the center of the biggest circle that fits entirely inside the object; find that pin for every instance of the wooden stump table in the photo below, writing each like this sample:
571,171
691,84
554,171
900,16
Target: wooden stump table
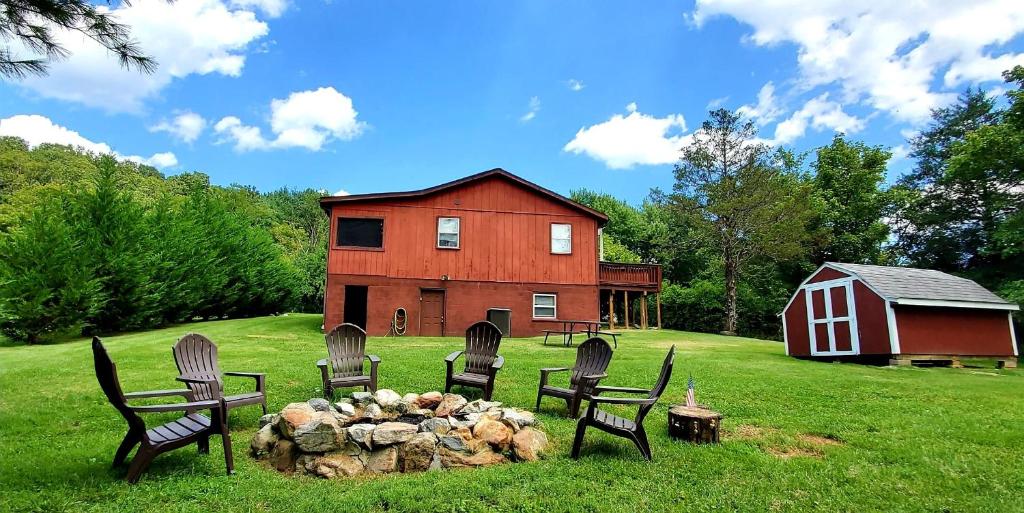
694,424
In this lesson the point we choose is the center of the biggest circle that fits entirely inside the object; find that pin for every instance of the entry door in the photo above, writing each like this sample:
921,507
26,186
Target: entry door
431,313
832,318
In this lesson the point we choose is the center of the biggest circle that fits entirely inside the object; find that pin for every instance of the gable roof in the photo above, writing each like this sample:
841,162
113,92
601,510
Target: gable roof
326,201
906,285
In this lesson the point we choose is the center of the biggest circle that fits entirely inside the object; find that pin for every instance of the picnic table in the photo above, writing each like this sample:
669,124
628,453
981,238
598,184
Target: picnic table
569,329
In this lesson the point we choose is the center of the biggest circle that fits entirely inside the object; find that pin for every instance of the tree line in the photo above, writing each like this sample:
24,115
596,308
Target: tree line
745,223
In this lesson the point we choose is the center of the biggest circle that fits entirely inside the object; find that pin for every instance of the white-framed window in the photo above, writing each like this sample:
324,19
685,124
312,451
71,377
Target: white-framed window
448,232
561,238
545,306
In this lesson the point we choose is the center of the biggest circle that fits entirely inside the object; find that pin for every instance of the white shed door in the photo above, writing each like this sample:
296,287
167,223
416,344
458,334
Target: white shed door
832,318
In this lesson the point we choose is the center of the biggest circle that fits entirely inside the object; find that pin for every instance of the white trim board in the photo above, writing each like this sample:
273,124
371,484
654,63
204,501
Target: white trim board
1013,334
829,320
956,304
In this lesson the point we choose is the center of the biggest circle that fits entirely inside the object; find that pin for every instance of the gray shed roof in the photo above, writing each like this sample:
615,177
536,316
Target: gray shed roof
897,283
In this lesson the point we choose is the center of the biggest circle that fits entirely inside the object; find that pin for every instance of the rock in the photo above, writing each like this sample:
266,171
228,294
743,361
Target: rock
511,425
383,460
455,459
417,453
338,463
498,435
319,404
386,398
411,398
479,406
529,444
362,434
466,421
362,397
320,434
522,418
390,433
450,403
270,418
426,412
466,441
305,464
345,408
438,426
283,455
429,400
373,411
293,416
263,441
345,420
454,443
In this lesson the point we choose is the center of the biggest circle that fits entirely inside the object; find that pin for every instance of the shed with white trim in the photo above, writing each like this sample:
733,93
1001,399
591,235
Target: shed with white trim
856,310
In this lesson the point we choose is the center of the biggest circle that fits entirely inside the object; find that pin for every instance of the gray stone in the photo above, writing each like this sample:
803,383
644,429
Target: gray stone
438,426
320,434
390,433
426,412
338,463
522,418
362,434
418,452
270,418
454,443
479,406
293,416
411,398
373,411
319,404
345,408
263,441
386,398
283,455
362,397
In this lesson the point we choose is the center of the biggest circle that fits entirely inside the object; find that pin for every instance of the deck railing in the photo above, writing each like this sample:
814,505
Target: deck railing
642,276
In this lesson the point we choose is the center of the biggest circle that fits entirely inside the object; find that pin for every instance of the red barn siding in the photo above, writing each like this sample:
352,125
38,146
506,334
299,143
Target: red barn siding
953,331
795,317
827,274
872,321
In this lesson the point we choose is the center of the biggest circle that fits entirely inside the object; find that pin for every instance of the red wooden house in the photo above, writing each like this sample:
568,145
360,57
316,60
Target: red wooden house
450,255
903,314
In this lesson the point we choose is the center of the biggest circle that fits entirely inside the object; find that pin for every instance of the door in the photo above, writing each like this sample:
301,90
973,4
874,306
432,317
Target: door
355,305
431,313
832,318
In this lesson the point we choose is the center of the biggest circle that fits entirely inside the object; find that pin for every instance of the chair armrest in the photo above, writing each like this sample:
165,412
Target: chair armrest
618,400
623,390
160,408
158,393
322,363
595,377
498,362
451,358
549,370
246,374
373,358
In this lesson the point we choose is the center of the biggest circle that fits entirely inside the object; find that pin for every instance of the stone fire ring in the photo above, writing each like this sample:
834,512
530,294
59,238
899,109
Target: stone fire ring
383,432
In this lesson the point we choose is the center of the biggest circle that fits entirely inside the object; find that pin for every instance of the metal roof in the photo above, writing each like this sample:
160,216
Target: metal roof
896,283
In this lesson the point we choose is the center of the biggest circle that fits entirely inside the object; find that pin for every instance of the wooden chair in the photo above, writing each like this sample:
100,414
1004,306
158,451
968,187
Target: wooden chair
618,426
196,358
482,359
592,358
190,428
346,350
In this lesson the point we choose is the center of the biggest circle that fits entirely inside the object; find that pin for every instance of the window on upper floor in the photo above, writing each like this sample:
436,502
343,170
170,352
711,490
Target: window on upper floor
360,232
544,306
561,238
448,232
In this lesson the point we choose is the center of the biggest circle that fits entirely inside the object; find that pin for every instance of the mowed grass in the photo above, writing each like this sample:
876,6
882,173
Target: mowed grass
798,435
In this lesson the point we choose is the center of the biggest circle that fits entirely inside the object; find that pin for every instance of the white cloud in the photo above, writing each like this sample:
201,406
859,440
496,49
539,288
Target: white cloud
767,108
341,192
36,130
819,113
886,54
534,107
185,37
575,85
637,138
716,103
272,8
186,126
305,119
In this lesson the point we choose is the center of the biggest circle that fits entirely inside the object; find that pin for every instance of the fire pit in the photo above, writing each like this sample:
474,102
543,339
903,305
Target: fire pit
385,432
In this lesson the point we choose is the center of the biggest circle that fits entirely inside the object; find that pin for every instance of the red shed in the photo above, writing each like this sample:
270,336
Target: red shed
871,311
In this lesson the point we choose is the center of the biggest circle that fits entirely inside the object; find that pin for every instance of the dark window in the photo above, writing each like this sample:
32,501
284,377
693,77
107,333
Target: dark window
360,232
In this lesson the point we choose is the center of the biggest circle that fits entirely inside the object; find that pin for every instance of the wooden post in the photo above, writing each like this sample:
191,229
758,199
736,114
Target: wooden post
628,323
611,309
657,298
643,311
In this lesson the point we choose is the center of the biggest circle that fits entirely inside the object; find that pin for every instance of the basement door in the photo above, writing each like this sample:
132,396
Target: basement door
431,313
832,318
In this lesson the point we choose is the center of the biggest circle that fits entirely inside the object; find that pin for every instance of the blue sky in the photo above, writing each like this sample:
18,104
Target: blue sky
377,96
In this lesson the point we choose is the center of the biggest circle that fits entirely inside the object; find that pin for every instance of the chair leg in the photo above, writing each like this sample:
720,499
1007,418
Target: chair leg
139,464
264,405
131,439
229,456
574,407
539,395
204,444
640,439
328,392
581,427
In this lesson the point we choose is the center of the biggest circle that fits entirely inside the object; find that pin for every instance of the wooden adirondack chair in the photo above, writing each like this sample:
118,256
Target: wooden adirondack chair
618,426
346,350
482,359
193,427
592,358
196,358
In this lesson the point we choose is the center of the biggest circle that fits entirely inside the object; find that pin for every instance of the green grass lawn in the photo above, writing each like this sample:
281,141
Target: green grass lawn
798,435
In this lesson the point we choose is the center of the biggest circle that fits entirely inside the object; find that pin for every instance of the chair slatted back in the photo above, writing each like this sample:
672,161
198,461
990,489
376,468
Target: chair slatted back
659,386
592,357
106,374
196,357
482,341
346,348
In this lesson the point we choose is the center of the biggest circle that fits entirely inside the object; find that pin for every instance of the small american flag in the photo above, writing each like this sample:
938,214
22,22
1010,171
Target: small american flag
690,401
